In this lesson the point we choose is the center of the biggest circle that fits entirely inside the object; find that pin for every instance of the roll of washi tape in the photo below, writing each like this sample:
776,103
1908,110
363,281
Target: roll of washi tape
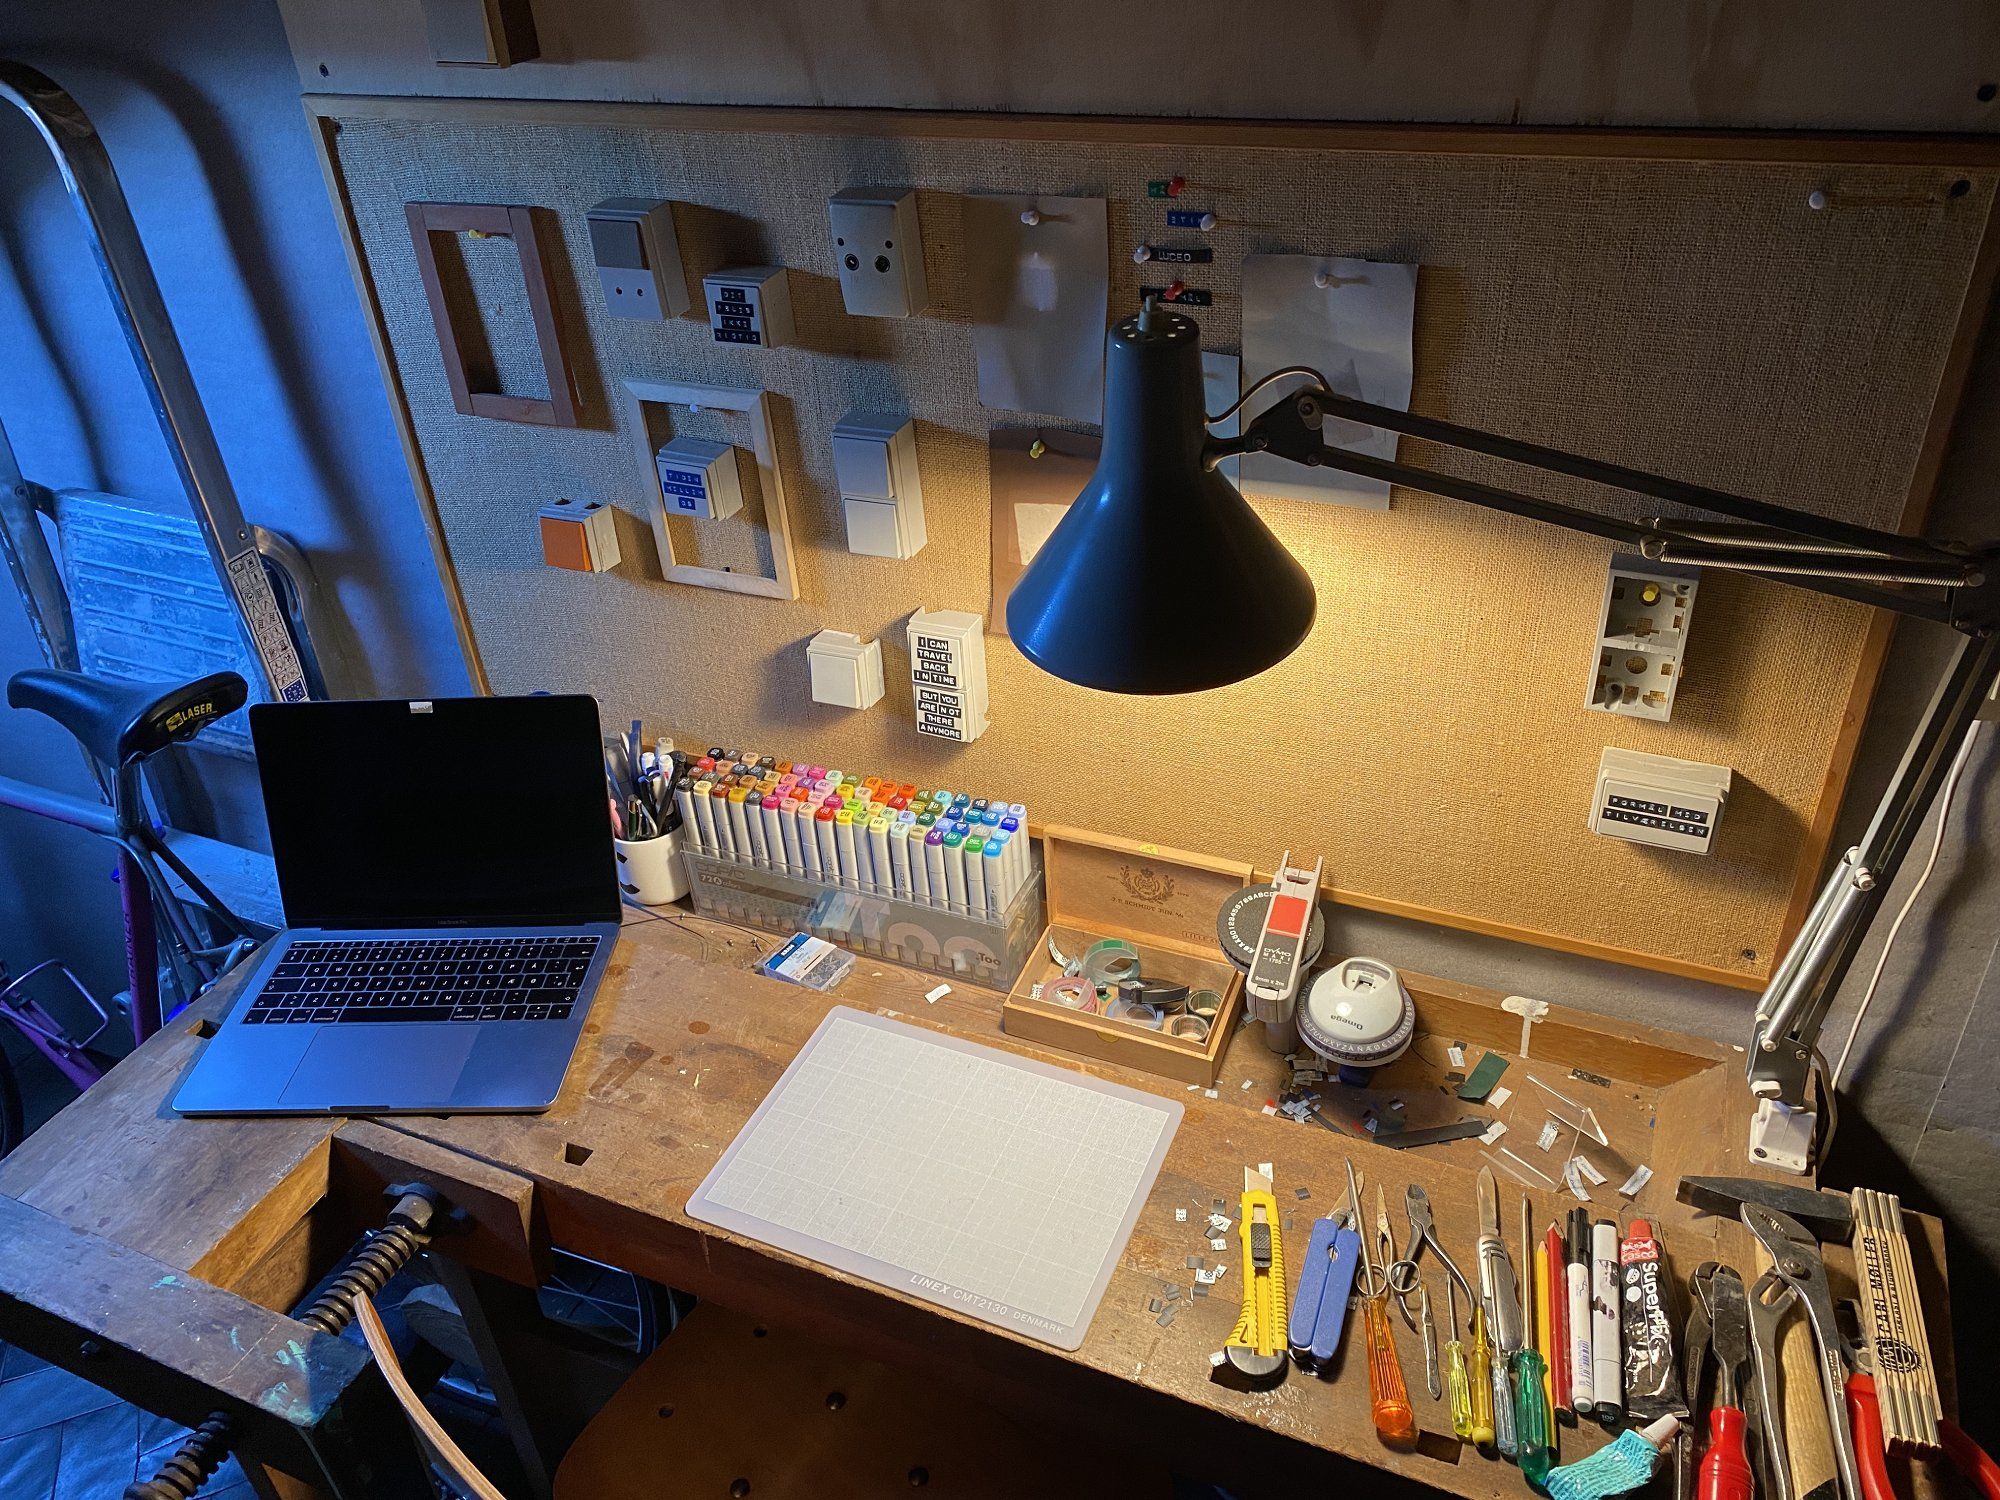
1110,962
1072,993
1167,996
1188,1028
1204,1003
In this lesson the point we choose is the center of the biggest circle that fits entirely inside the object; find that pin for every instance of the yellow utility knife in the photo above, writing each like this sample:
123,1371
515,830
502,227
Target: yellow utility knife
1256,1349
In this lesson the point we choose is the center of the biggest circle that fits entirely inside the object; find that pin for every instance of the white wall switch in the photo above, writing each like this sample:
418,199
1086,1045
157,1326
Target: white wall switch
580,535
638,258
881,495
846,670
878,248
750,305
1642,638
948,673
1658,800
699,479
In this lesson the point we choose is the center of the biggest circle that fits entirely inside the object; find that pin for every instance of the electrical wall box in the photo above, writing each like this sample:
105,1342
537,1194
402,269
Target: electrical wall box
638,259
948,673
875,464
879,250
846,670
1641,638
1658,800
580,535
699,479
480,33
750,305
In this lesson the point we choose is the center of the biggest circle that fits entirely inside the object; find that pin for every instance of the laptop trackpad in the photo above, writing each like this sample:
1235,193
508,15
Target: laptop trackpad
362,1069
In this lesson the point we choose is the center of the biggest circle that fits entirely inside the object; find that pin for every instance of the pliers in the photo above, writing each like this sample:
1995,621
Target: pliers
1864,1415
1853,1410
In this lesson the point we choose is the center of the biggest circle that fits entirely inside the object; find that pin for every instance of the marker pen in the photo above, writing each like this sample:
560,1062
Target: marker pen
975,875
773,814
1582,1376
979,806
788,832
880,873
803,814
829,856
920,875
934,867
767,762
995,860
685,792
843,842
1000,887
716,752
954,869
753,822
725,840
739,824
899,858
1607,1378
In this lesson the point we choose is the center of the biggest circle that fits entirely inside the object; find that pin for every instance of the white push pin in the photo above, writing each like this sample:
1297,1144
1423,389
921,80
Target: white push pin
1031,217
1143,254
1818,201
1322,278
1206,221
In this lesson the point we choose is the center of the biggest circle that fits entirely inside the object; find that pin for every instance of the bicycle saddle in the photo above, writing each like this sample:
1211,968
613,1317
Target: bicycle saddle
118,722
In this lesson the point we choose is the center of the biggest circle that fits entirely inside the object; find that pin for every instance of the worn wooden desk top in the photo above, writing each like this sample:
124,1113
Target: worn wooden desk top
682,1045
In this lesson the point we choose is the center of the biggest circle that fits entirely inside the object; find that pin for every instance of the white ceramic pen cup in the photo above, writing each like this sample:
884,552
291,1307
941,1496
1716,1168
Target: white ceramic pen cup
651,871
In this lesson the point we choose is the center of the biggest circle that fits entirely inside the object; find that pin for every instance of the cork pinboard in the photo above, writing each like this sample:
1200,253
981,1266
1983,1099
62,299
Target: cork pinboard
1669,303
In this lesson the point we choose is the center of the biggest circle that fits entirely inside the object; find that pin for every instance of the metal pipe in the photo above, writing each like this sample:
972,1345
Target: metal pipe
92,817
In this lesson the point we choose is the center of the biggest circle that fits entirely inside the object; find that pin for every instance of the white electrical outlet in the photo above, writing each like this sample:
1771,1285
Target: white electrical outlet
638,258
1642,638
878,249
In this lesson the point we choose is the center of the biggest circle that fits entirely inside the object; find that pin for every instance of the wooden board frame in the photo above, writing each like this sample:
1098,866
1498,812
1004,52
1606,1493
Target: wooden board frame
1580,143
559,409
783,582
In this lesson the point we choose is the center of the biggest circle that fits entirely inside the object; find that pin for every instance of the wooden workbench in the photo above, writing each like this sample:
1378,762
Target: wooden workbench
684,1042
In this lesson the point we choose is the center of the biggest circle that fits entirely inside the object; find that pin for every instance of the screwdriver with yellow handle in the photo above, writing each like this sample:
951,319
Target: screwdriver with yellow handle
1388,1398
1456,1386
1479,1379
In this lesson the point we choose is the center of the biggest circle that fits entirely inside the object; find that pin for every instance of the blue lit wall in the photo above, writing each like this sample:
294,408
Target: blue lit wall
198,105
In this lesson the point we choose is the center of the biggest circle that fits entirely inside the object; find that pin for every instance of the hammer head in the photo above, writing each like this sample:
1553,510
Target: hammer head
1830,1216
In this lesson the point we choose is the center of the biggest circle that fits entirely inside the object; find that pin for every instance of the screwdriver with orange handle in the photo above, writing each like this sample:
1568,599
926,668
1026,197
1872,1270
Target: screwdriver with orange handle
1388,1398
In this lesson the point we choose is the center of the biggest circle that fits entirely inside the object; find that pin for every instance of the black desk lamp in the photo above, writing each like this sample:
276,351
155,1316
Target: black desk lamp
1161,579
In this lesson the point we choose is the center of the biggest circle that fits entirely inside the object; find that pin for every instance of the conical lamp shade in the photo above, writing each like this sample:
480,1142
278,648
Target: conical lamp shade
1160,578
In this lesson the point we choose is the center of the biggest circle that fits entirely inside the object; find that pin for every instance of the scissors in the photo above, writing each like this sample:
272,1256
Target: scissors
1404,1280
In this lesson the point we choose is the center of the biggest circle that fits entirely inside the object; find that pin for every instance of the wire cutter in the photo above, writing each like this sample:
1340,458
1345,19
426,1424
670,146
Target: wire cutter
1404,1280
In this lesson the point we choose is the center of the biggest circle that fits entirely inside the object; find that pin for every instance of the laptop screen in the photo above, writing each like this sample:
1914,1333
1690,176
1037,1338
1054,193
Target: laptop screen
452,811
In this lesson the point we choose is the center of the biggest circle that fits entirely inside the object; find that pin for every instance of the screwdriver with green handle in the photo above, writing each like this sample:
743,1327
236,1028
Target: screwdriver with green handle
1531,1412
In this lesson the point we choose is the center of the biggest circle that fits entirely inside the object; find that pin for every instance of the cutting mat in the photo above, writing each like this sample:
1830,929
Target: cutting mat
991,1184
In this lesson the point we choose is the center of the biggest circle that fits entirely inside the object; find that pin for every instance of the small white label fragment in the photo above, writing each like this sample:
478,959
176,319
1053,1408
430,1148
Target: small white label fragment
1641,1175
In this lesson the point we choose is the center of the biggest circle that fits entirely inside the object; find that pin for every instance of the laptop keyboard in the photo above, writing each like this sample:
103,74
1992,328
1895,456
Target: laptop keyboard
424,979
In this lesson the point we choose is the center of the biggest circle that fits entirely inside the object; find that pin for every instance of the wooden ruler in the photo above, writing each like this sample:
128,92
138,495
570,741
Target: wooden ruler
1892,1323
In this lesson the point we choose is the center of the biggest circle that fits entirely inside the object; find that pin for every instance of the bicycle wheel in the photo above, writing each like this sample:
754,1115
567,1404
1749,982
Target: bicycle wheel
13,1124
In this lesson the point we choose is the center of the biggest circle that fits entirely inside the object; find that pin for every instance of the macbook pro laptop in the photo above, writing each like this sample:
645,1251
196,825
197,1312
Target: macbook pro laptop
452,901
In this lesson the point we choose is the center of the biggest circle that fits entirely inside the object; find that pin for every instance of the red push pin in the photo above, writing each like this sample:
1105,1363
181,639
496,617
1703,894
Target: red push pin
1174,290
